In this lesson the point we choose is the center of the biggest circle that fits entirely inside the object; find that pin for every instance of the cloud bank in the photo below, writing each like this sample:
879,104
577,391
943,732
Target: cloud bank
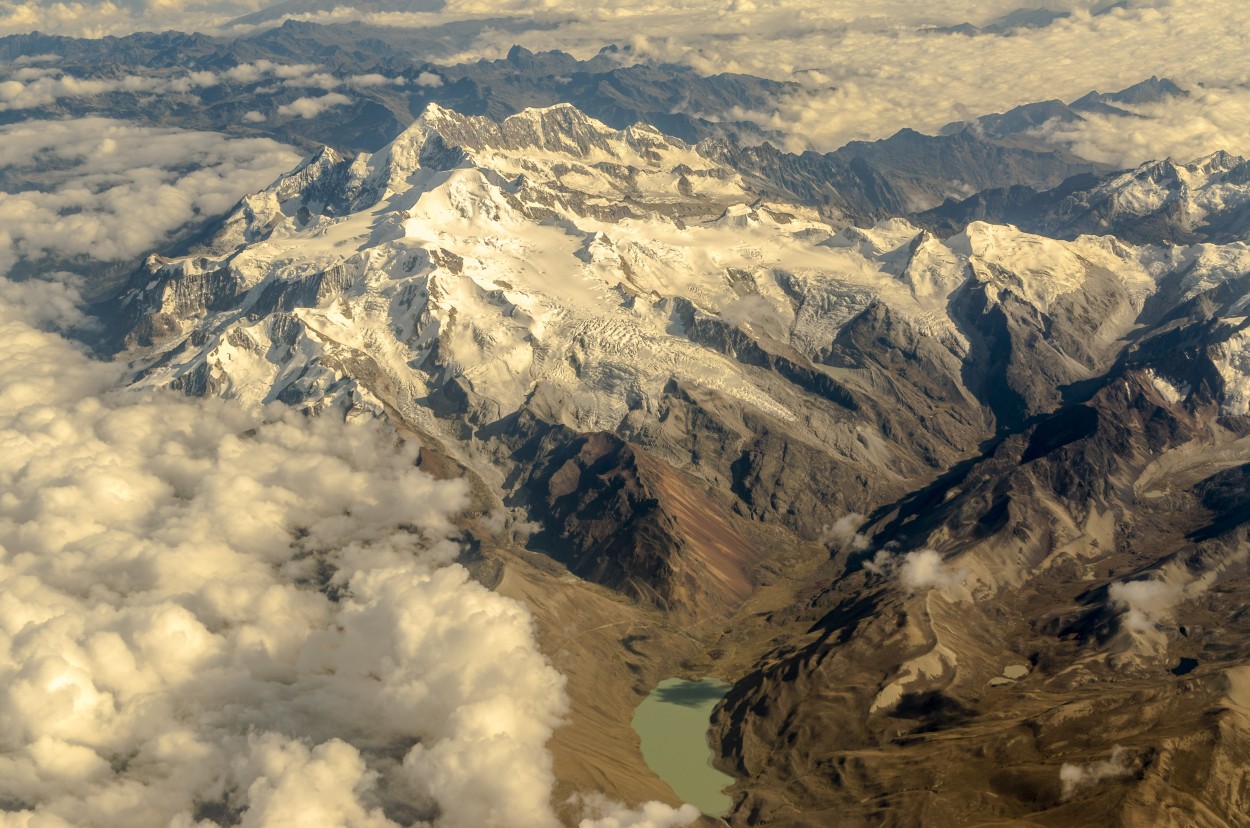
97,18
110,191
31,87
218,615
866,71
870,70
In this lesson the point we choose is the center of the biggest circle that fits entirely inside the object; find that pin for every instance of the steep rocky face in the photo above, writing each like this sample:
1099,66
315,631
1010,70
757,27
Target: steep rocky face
870,181
618,516
1032,638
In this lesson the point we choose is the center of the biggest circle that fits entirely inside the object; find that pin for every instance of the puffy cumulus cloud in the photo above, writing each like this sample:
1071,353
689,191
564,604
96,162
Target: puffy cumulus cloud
917,571
26,90
262,69
604,813
1074,777
1146,603
109,190
844,534
372,79
311,107
429,79
289,784
210,615
53,302
925,570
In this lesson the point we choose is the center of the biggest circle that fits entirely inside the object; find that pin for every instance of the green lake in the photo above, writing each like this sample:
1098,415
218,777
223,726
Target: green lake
673,725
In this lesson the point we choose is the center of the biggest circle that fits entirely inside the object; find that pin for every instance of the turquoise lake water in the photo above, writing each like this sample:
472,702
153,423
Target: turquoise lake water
673,723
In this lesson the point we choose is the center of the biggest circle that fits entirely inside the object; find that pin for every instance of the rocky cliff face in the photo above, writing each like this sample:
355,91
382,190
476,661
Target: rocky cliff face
1046,635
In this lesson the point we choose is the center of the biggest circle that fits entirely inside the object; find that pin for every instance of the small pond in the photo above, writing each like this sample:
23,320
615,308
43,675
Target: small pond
673,723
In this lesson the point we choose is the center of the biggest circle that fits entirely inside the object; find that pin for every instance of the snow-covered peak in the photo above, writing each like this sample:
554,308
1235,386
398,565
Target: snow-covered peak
1036,267
560,132
558,157
1041,269
1216,163
511,257
561,129
1188,195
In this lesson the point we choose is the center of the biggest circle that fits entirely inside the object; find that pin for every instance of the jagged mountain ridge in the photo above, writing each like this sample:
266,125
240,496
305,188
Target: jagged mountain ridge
601,278
584,342
1089,551
1204,200
614,86
864,182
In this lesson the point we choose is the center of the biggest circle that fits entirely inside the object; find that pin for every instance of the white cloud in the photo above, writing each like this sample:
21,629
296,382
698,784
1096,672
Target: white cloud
312,107
33,87
844,534
1184,129
261,69
925,570
27,92
1073,777
1146,603
51,302
374,79
316,80
917,571
429,79
253,117
603,813
867,70
164,641
110,190
216,613
1147,608
97,18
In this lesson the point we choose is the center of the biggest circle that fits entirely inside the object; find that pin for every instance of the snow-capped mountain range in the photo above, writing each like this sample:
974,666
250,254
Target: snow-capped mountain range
551,257
614,336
